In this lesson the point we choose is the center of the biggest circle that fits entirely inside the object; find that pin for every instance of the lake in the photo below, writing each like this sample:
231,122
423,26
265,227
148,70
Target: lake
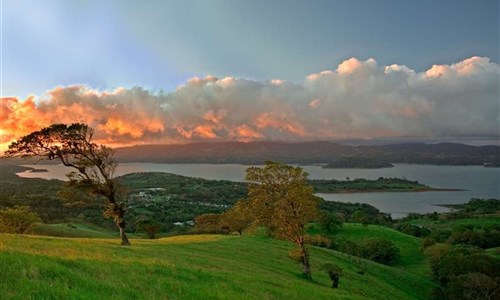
477,182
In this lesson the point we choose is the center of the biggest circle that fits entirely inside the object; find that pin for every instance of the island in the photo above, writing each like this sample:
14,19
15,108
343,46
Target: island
361,185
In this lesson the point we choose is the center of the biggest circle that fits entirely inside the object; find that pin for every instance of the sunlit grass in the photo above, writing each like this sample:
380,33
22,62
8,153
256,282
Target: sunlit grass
186,267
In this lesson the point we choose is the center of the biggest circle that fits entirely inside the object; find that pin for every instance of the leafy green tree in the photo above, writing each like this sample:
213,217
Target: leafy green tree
282,200
150,227
237,218
18,219
360,216
93,165
329,221
473,286
380,250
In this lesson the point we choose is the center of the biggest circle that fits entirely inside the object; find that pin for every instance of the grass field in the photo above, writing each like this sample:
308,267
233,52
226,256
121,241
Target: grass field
72,230
412,259
186,267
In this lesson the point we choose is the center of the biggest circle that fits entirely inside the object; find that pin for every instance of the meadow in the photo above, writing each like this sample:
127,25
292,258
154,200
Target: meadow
192,267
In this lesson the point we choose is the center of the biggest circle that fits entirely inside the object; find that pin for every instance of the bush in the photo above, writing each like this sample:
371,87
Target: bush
380,250
19,219
334,273
209,223
151,228
329,221
427,242
376,249
318,240
473,286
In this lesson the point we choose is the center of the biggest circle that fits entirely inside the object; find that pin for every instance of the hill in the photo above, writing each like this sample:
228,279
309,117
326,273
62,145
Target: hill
187,267
313,153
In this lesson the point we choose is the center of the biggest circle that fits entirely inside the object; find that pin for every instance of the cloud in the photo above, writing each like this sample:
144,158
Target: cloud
357,100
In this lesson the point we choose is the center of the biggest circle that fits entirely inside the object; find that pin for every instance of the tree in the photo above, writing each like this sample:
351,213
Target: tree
329,221
380,250
237,218
18,219
93,165
150,227
282,200
208,223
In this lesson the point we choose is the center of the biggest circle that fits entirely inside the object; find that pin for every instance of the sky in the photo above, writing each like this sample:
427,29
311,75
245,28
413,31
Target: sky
185,71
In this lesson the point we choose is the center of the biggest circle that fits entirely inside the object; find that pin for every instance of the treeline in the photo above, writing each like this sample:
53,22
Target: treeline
361,184
456,244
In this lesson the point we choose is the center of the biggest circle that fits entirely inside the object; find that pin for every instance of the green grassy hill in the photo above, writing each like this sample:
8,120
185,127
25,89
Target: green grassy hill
186,267
412,257
72,230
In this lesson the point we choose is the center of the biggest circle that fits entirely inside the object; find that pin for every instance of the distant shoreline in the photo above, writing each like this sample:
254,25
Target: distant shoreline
430,189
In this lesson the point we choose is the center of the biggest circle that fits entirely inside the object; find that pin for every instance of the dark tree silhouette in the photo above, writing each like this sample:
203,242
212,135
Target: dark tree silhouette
93,164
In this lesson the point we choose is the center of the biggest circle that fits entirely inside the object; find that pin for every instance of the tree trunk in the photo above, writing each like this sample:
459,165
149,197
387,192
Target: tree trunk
306,267
121,225
335,281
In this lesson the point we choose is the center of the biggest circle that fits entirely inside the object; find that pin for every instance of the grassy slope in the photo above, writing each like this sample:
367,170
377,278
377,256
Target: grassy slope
72,230
186,267
412,257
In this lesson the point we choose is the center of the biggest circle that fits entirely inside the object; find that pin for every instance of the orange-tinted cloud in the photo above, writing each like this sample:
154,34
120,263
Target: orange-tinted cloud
356,100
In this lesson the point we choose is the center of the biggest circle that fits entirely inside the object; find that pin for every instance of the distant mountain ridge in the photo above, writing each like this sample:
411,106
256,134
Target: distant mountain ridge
310,153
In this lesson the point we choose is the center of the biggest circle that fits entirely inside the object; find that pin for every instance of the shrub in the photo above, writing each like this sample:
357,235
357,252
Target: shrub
334,273
18,219
427,242
208,223
318,240
151,228
380,250
329,221
473,286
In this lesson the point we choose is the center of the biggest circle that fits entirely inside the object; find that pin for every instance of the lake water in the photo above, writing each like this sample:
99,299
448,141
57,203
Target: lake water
477,182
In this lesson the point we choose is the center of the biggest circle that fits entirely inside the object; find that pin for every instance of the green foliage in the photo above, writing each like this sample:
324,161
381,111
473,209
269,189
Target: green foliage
475,223
459,259
376,249
329,221
334,272
150,227
473,286
93,165
237,218
318,240
351,212
380,250
464,272
208,223
481,206
282,201
361,184
19,219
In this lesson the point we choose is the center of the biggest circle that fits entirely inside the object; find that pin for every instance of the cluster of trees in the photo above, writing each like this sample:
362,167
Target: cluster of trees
361,184
464,272
18,219
463,226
